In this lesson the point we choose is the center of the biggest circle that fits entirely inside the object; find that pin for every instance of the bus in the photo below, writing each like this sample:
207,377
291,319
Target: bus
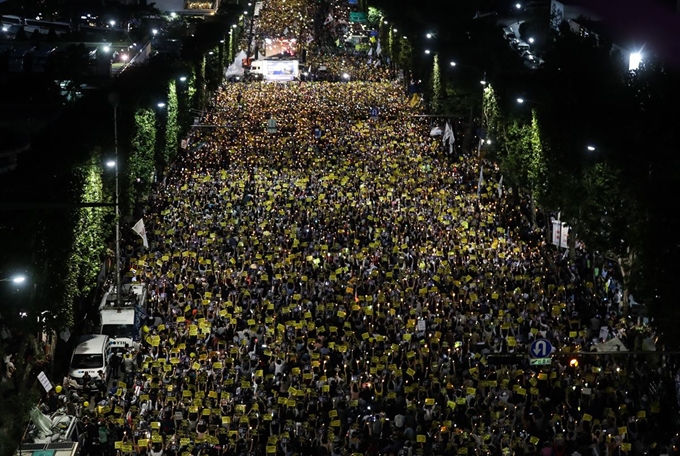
9,21
44,27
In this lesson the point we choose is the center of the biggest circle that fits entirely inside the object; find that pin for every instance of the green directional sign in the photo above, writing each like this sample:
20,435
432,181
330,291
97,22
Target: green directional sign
357,17
540,362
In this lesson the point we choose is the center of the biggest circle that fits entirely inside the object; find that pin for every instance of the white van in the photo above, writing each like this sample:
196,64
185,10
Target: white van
93,354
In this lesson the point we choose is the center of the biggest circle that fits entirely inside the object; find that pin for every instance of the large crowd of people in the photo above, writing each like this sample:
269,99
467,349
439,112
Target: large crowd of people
341,286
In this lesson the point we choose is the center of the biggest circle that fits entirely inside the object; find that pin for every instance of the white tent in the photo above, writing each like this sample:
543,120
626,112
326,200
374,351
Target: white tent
611,346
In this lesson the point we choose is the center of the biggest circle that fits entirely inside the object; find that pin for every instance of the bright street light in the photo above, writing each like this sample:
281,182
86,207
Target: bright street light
155,32
234,25
488,141
483,81
429,35
345,75
15,279
531,40
453,63
124,57
161,105
427,51
634,61
173,15
183,78
112,22
518,6
395,30
520,100
385,22
107,49
111,163
591,148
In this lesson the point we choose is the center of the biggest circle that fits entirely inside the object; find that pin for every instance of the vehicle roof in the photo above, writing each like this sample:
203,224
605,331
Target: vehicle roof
94,343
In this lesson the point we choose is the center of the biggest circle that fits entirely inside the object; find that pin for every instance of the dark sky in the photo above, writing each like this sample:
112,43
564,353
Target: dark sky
653,24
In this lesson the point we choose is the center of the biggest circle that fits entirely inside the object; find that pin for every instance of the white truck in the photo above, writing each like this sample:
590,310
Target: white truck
123,323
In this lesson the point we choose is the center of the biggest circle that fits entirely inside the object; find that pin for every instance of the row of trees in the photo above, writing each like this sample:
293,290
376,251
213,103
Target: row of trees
593,142
62,245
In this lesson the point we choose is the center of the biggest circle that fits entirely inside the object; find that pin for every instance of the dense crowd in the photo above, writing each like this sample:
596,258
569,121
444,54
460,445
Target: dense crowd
340,286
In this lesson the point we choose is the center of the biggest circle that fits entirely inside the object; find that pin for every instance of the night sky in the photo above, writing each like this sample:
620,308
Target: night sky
653,25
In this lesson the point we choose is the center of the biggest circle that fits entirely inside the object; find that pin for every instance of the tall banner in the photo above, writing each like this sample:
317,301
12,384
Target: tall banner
560,234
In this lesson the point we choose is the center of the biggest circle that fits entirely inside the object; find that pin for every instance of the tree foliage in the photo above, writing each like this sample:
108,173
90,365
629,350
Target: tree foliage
171,124
141,163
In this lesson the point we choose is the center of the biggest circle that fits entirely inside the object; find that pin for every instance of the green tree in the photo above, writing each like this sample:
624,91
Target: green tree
405,60
141,163
171,125
436,89
375,17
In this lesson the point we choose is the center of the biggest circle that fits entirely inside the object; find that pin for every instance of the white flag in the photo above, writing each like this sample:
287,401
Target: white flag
141,231
448,136
370,52
481,179
378,49
436,131
500,187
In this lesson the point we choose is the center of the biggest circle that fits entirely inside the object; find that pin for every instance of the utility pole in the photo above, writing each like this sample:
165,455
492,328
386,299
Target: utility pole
113,99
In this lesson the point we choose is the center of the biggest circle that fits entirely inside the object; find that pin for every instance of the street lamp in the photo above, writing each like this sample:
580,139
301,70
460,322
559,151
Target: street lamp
112,22
114,100
427,51
18,279
155,32
520,100
518,5
161,105
429,36
453,63
183,78
345,76
591,148
531,40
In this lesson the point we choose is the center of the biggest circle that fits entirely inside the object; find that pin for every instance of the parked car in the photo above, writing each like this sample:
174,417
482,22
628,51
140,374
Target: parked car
522,46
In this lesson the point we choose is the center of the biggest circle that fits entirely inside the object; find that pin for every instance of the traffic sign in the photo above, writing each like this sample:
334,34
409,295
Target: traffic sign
357,17
540,348
374,113
540,362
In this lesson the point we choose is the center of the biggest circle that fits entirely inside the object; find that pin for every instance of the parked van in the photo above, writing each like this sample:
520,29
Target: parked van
92,355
